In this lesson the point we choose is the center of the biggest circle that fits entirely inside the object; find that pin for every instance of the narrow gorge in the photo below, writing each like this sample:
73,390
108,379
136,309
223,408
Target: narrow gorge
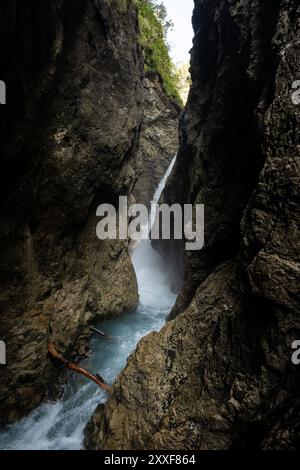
198,344
69,141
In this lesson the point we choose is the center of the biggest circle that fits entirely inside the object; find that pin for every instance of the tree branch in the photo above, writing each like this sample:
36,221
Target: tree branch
101,333
95,378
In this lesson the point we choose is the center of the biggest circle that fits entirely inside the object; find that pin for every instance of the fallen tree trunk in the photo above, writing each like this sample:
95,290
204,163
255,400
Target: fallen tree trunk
95,378
101,333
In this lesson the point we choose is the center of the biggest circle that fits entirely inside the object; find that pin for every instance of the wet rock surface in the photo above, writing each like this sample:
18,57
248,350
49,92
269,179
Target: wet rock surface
219,375
81,127
159,138
69,135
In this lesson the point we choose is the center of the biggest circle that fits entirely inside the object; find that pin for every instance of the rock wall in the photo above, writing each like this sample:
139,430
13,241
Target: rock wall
219,375
69,135
159,138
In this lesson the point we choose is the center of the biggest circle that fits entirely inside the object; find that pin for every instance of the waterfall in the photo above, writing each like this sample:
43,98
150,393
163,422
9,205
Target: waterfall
60,425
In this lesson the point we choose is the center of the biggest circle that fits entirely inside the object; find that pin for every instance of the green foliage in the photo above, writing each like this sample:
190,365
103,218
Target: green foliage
154,26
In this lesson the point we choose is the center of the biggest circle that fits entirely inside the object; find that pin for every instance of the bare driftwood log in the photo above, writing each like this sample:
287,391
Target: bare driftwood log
101,333
95,378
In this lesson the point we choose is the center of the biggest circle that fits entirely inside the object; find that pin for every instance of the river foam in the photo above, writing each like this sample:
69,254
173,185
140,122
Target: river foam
60,425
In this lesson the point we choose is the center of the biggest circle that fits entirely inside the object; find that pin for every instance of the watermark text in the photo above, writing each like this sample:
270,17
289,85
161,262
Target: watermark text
2,92
296,93
2,353
163,223
296,354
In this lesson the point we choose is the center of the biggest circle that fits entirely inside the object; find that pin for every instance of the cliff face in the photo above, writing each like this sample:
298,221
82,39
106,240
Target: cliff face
69,135
219,375
159,138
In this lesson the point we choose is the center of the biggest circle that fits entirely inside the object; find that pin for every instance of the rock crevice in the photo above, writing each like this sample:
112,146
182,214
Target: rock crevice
70,135
219,375
78,130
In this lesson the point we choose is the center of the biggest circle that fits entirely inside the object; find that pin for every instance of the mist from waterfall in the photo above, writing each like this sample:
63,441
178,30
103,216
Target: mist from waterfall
60,425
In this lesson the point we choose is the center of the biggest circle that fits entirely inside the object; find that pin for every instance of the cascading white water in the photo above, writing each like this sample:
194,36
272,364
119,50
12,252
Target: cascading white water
60,425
